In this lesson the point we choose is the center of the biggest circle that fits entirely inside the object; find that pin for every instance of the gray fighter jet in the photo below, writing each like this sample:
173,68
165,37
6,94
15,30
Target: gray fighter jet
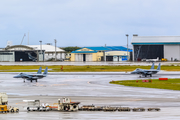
145,73
32,77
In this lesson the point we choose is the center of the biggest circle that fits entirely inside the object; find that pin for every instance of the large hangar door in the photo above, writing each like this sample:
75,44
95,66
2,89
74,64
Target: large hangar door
148,52
172,52
89,57
7,56
79,57
25,56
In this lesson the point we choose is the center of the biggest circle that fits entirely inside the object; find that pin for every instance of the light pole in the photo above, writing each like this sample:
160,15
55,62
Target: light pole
41,46
55,48
127,45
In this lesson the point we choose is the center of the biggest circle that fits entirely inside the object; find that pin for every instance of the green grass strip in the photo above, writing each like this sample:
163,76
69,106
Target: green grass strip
86,68
170,84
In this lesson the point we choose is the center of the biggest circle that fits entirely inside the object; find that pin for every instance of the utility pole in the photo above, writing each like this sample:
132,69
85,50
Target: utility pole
127,46
55,48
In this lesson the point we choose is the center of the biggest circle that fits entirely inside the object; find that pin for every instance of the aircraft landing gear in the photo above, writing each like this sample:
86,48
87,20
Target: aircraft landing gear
24,80
36,80
150,75
31,80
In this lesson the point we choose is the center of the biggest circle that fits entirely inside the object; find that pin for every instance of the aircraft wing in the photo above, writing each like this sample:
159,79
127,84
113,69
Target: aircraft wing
149,72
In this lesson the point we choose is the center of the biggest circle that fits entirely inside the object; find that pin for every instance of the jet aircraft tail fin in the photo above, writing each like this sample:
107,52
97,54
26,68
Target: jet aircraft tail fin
45,71
152,67
159,66
40,70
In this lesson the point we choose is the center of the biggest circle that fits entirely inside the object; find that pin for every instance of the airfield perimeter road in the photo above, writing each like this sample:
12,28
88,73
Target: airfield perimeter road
90,88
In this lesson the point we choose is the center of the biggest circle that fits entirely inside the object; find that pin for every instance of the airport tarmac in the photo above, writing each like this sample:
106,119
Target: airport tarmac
89,88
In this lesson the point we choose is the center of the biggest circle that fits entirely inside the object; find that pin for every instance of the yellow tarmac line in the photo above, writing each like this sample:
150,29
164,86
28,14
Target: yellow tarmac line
20,102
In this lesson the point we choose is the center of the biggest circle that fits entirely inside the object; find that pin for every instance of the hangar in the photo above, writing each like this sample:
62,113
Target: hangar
106,53
31,53
153,47
49,51
21,53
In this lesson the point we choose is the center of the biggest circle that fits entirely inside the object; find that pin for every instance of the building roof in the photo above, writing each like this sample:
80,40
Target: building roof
47,48
118,48
84,51
155,40
98,48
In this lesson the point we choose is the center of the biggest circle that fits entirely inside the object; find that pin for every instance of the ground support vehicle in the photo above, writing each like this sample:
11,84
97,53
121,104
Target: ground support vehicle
67,105
12,109
3,108
34,105
153,109
138,109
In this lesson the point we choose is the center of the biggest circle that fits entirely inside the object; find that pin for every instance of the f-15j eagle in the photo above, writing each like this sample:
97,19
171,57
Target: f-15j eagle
145,73
32,77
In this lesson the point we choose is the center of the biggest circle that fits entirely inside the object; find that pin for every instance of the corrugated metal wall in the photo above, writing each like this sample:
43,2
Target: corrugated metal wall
79,57
7,56
172,52
88,57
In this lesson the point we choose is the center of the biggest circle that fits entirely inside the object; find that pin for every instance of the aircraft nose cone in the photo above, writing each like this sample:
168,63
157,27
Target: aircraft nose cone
16,77
133,72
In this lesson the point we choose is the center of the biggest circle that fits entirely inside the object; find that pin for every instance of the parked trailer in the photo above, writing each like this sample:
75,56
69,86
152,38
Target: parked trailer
107,108
153,109
34,105
124,109
138,109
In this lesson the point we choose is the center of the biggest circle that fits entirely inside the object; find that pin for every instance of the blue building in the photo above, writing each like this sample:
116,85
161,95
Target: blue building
103,53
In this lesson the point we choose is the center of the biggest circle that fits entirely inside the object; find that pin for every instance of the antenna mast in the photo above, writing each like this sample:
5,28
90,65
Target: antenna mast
23,38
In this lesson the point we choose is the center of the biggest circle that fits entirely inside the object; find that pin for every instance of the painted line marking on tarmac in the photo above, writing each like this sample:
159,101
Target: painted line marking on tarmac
20,102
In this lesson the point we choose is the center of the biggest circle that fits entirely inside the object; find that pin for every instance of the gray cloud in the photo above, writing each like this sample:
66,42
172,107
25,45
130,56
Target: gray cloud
86,22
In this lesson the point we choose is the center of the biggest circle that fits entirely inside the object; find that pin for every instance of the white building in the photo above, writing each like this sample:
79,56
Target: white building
50,51
152,47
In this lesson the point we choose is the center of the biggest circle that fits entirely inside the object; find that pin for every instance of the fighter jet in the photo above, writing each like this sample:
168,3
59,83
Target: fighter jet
32,77
145,73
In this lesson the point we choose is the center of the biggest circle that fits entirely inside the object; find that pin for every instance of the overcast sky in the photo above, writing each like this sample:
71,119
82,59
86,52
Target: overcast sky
86,22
